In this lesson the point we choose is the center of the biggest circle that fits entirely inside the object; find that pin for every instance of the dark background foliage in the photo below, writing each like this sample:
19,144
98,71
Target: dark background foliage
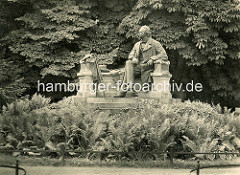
45,39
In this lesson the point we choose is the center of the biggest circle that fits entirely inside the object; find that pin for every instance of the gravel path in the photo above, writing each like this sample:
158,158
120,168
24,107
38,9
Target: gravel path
44,170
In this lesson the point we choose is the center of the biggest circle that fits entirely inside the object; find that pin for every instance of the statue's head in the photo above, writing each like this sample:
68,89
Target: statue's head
144,32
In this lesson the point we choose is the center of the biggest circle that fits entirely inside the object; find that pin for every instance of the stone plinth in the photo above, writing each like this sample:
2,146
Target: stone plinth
116,103
85,80
161,78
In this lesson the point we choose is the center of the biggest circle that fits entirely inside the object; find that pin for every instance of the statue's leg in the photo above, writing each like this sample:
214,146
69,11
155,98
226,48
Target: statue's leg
127,79
146,75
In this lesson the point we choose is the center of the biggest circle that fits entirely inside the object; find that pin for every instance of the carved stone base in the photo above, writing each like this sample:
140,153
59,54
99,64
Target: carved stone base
161,78
116,103
85,83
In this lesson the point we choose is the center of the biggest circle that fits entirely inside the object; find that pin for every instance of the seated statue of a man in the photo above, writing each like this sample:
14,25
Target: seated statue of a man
141,59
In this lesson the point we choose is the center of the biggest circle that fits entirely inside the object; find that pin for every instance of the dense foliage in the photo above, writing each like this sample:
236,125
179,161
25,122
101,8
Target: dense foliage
44,40
202,37
189,126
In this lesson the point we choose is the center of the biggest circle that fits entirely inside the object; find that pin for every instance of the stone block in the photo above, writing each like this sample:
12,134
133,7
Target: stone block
161,66
113,103
85,82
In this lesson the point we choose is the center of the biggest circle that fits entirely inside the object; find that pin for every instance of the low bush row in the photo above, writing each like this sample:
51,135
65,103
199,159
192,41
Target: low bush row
190,126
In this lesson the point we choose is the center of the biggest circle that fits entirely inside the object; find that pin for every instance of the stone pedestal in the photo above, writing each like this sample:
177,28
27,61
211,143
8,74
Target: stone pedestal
161,78
85,88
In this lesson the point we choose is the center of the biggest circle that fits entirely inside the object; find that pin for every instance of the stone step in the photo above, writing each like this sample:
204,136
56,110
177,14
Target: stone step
112,100
116,103
113,103
108,102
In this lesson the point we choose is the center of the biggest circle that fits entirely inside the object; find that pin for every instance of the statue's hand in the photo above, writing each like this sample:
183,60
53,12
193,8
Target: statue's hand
149,63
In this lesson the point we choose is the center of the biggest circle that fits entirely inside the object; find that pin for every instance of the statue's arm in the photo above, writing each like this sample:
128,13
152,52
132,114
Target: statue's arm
132,54
160,53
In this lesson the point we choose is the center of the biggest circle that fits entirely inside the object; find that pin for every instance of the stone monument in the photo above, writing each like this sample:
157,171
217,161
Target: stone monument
147,57
160,75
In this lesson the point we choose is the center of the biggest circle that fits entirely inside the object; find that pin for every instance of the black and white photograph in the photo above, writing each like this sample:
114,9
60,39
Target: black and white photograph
119,87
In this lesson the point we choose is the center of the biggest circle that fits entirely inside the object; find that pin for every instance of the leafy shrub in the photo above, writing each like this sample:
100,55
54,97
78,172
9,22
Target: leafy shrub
18,125
188,126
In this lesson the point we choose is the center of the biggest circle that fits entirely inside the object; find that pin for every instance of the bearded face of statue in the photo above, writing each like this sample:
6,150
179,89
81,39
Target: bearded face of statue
141,35
144,33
